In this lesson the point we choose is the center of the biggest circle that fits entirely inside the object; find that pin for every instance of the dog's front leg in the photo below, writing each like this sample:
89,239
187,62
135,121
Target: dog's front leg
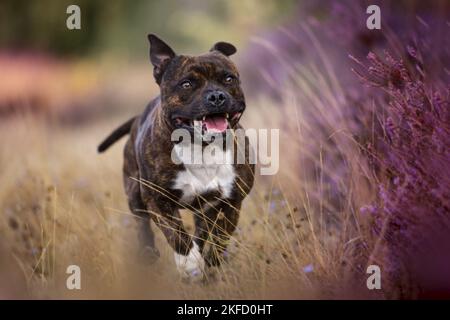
214,228
188,258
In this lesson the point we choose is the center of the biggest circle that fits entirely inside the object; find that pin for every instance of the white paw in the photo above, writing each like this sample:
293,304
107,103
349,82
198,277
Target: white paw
192,265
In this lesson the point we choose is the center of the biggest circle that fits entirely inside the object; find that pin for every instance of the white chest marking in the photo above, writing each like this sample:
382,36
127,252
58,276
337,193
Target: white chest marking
210,175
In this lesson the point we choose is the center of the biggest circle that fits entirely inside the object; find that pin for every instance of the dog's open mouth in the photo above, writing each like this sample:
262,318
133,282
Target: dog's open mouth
211,123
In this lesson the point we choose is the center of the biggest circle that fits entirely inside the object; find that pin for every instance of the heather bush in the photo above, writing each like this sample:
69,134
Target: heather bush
413,212
389,138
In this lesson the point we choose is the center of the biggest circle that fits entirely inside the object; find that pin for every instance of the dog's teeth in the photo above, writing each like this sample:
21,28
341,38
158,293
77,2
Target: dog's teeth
204,117
226,115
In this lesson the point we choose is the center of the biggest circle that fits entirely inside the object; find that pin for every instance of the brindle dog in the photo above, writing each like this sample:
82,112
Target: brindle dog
195,90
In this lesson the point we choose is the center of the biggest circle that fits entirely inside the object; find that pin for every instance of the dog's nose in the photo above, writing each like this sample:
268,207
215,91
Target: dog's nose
216,98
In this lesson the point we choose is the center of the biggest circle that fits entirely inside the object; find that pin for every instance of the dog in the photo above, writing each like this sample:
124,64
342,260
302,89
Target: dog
196,92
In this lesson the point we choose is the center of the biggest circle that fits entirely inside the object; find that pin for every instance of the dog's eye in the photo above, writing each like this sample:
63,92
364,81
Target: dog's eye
229,79
186,84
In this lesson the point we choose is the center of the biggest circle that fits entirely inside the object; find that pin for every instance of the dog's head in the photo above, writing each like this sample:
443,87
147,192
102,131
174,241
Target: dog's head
198,92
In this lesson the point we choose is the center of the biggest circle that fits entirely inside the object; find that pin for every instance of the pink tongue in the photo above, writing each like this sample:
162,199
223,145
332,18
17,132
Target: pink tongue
216,123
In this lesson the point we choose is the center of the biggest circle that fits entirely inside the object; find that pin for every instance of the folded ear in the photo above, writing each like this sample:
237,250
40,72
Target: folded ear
160,56
225,48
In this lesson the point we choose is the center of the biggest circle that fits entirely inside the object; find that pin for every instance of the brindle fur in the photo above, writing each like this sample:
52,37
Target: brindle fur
149,171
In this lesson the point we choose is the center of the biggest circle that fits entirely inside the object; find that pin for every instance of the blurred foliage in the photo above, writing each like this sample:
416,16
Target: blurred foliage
120,27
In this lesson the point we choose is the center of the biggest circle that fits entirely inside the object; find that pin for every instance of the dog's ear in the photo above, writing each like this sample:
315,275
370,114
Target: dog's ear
160,56
225,48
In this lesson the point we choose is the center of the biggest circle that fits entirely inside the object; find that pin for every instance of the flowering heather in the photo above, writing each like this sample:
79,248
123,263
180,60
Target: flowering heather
400,123
413,214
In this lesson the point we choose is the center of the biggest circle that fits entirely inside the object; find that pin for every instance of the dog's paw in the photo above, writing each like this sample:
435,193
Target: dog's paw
191,266
148,255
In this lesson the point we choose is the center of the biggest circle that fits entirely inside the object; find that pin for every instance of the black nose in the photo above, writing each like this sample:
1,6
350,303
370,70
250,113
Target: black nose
216,98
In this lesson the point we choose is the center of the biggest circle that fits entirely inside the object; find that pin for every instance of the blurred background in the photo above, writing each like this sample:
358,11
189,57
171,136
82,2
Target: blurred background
74,74
364,145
